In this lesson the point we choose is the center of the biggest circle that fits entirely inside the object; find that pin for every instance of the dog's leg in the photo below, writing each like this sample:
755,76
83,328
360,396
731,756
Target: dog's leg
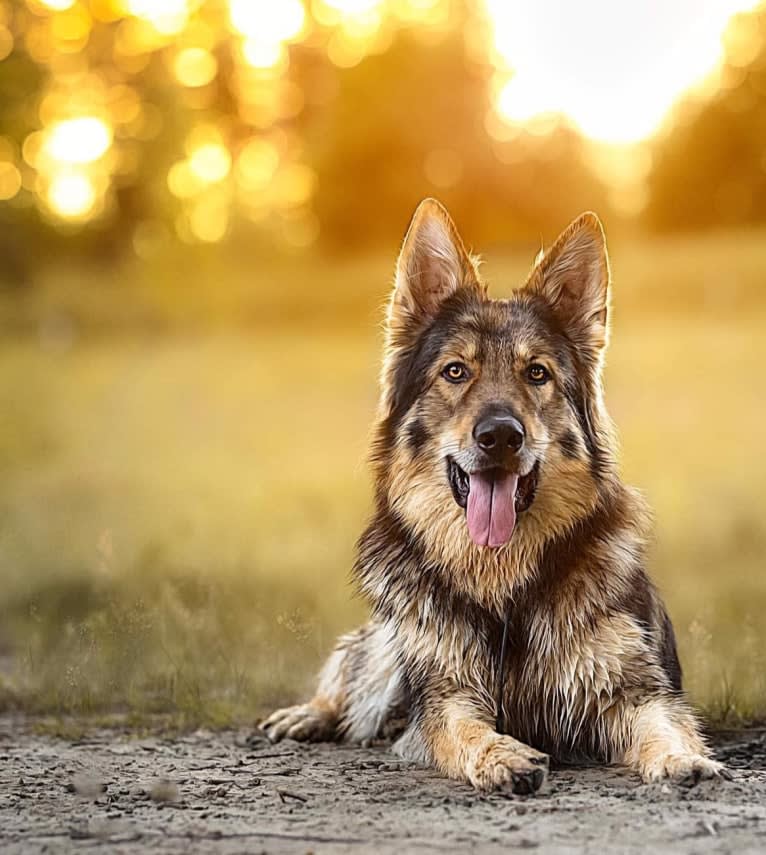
454,732
660,739
316,721
359,686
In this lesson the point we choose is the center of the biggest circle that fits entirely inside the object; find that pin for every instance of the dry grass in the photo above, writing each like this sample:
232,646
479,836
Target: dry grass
179,510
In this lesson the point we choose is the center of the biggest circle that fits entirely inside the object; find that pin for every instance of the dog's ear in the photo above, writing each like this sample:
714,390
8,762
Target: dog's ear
573,278
433,265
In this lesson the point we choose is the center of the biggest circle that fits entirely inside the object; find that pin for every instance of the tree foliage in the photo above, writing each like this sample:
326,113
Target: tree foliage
710,167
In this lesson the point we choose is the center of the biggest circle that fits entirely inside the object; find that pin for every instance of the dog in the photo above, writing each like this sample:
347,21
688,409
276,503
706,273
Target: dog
513,619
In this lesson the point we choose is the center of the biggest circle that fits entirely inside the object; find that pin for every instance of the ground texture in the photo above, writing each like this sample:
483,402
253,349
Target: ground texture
234,792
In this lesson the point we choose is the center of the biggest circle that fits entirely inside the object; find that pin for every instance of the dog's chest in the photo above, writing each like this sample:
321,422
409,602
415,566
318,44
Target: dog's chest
558,680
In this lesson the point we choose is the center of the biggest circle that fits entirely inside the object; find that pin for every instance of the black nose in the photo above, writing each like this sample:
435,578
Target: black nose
498,432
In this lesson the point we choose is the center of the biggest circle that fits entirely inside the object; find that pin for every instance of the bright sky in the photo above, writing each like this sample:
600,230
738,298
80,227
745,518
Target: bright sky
614,67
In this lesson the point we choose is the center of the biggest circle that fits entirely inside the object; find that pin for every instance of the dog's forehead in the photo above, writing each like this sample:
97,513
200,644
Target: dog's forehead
507,329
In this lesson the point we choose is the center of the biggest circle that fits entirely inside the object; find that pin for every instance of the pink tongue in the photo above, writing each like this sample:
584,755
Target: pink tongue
491,511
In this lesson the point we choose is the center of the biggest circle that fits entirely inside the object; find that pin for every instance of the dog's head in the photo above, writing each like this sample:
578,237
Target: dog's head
491,419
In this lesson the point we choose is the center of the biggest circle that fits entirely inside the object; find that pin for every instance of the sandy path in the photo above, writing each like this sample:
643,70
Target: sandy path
233,792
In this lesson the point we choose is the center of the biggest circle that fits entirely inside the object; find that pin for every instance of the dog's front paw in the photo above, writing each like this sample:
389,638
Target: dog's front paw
506,763
683,769
305,722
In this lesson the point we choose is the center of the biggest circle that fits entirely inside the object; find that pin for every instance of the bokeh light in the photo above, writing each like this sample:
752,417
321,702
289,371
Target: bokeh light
72,196
226,97
263,54
10,180
195,67
266,21
166,16
210,162
6,42
257,163
79,140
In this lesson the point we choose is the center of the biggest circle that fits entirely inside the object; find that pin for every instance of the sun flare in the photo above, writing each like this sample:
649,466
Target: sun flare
613,68
249,77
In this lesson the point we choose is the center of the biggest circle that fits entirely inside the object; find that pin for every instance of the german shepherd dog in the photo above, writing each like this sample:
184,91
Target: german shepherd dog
512,615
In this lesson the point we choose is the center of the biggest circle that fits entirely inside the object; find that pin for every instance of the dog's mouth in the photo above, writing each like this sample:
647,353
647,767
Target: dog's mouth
492,499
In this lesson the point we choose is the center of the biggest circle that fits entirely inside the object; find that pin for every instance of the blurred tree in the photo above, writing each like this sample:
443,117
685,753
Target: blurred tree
123,127
19,77
412,122
710,167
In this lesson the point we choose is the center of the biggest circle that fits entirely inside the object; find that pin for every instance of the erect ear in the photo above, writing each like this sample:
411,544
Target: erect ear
432,266
573,278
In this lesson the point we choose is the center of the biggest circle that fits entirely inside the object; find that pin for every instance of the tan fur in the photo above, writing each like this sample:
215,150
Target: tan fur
463,746
662,741
591,669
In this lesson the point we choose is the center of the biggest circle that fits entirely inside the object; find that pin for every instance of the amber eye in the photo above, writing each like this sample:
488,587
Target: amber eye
538,374
455,372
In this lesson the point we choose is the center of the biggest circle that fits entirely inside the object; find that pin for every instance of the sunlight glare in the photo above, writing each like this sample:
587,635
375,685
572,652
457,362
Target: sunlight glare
268,22
80,140
614,69
352,7
57,5
263,54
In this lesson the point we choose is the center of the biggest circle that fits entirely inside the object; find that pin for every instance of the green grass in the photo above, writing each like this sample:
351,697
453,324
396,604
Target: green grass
178,509
179,516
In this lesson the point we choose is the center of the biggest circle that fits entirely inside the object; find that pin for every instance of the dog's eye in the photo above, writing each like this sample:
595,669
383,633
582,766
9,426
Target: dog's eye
538,374
455,372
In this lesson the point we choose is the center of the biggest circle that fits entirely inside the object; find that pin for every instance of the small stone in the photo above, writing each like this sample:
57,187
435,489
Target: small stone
163,790
86,785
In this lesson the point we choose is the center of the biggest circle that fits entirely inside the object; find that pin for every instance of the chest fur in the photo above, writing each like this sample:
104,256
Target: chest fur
560,675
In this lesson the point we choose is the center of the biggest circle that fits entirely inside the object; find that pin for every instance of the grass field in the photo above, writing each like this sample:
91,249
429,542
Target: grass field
180,499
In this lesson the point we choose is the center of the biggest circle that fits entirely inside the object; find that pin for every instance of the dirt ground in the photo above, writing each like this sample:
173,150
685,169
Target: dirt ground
234,792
